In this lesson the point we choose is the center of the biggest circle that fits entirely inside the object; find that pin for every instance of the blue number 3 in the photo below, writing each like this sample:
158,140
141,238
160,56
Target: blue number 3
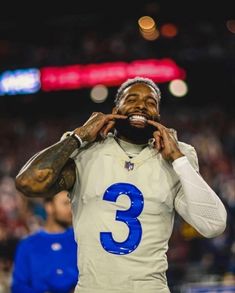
127,216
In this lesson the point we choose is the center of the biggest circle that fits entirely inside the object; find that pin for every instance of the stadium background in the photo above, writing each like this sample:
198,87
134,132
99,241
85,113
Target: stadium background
37,36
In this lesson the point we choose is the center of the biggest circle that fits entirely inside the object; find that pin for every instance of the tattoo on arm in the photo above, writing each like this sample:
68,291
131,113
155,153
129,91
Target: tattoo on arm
61,182
65,180
42,171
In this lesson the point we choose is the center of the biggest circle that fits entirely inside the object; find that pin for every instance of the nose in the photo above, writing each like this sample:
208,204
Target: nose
141,106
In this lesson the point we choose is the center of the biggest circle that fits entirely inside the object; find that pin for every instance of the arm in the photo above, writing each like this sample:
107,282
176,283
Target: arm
21,278
52,170
196,202
49,171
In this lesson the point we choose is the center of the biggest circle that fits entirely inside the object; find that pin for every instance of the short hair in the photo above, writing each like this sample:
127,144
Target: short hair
135,80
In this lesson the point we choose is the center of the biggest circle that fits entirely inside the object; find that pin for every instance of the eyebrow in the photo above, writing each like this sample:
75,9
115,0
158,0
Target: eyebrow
131,95
136,95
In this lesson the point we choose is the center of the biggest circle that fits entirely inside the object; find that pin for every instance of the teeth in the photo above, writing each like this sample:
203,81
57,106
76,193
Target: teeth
138,118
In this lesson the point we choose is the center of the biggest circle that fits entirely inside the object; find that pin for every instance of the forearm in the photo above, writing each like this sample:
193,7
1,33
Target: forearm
43,170
21,288
198,204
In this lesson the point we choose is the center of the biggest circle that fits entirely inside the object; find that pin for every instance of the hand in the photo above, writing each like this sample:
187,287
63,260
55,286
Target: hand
166,141
98,123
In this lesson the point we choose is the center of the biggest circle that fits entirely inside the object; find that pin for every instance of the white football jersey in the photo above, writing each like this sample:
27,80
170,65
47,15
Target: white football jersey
123,213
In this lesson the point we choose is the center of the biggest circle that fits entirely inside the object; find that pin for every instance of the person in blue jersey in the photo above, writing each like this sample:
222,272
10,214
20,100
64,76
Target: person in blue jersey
127,175
46,261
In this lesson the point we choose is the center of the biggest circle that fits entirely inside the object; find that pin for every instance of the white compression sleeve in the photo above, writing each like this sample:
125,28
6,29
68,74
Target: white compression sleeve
197,203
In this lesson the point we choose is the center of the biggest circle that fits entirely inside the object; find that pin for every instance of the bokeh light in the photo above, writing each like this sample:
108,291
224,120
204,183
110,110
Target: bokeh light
178,88
150,36
169,30
146,23
147,27
99,93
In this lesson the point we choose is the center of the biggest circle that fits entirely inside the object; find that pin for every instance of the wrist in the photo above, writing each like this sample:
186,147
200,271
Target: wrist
75,137
176,155
78,139
81,133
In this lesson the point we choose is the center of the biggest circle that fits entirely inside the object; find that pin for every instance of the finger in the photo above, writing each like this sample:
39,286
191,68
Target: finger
173,134
115,116
170,132
93,115
157,138
157,133
107,128
170,135
165,134
166,138
109,121
156,124
163,145
158,143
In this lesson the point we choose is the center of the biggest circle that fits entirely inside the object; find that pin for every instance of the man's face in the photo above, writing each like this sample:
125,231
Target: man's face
61,209
139,104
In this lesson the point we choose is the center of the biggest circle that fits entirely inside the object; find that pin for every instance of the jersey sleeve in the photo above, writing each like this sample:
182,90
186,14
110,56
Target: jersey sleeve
195,201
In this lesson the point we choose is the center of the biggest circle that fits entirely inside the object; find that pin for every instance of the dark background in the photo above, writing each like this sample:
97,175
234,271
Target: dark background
39,34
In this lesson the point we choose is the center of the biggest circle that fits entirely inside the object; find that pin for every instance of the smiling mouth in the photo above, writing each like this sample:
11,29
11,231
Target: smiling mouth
138,118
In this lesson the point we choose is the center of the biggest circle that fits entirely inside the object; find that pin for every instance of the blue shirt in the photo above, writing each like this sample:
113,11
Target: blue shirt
45,262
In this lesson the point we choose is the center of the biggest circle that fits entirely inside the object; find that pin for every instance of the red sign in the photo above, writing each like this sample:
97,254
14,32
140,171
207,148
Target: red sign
109,74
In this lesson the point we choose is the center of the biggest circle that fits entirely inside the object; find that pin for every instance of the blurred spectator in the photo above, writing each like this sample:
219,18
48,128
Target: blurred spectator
46,261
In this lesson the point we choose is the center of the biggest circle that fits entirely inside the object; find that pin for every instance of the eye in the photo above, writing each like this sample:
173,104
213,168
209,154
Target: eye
152,103
131,100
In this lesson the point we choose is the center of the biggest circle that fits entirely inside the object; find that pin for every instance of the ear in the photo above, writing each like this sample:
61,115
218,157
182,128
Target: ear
48,207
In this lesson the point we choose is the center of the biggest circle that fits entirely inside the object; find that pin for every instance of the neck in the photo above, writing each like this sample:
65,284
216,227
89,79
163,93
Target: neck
53,227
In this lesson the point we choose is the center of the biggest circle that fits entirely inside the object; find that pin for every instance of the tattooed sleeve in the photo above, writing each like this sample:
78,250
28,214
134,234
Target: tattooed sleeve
49,171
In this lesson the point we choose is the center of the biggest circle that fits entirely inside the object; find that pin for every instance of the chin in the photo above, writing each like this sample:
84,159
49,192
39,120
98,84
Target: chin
136,132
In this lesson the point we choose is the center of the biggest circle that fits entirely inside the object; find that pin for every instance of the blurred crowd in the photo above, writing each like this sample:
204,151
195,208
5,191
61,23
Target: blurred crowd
192,258
201,46
94,37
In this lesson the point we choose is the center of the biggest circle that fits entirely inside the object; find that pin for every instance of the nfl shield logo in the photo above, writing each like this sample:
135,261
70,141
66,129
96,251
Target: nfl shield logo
129,166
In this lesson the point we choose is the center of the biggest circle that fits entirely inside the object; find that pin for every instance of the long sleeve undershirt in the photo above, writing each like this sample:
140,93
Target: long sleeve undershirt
197,203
